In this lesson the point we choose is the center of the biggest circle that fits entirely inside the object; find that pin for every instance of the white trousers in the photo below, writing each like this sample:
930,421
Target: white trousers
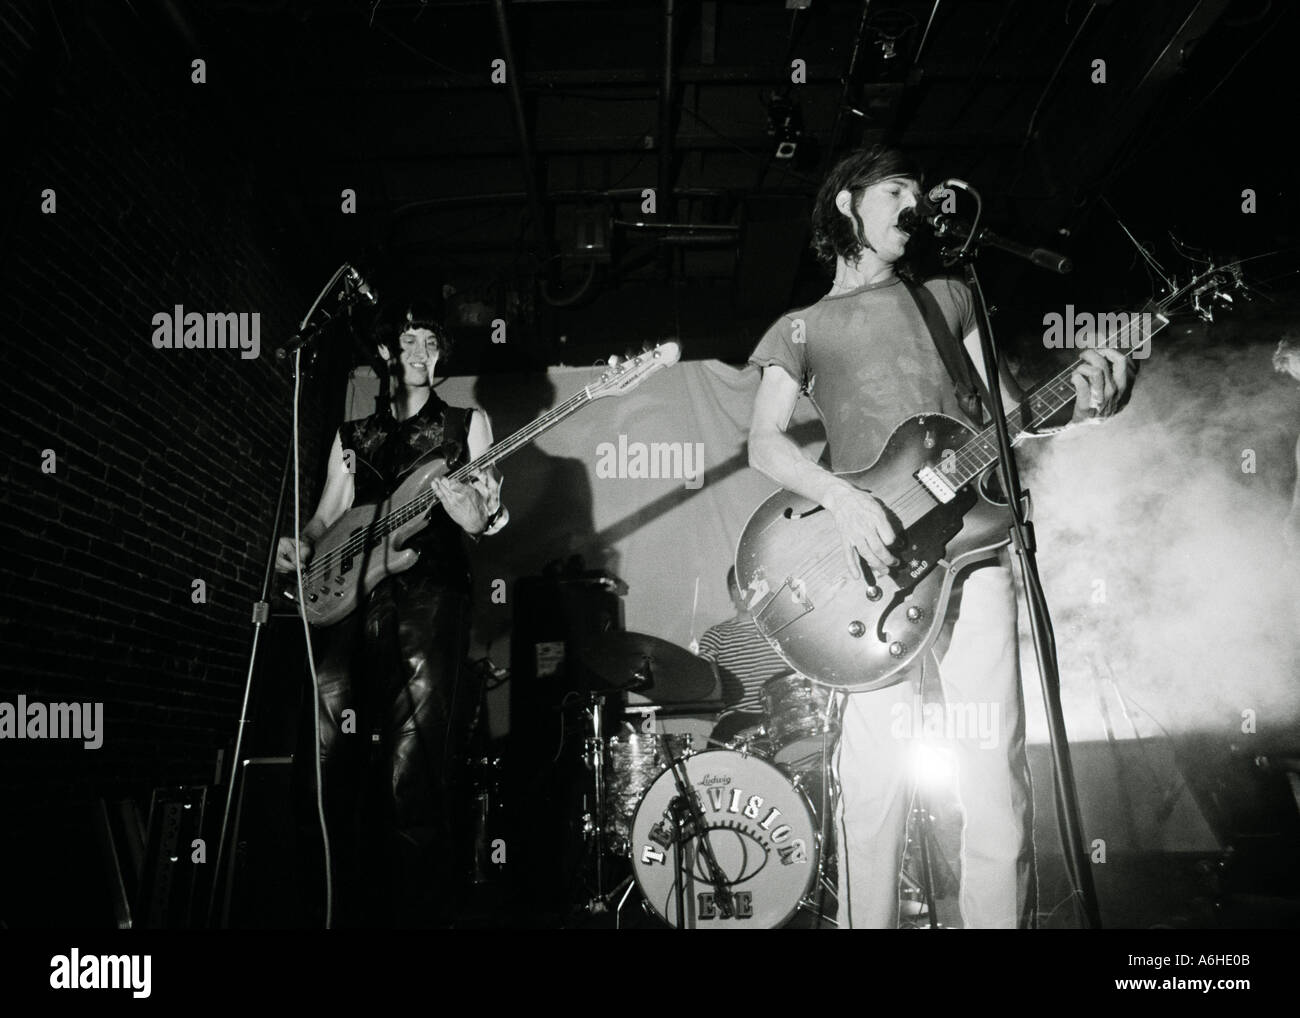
981,726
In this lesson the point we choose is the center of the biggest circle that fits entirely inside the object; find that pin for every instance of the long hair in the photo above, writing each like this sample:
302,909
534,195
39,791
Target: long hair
835,234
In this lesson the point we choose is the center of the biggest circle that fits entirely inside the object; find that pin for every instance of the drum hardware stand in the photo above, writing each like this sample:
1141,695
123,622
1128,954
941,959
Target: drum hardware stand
618,910
599,904
825,810
925,843
596,828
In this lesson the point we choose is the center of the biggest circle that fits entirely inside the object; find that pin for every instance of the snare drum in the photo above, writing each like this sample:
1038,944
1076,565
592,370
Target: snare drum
796,720
761,832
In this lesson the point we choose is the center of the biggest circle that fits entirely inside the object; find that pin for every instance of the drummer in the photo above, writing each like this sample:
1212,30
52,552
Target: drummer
743,658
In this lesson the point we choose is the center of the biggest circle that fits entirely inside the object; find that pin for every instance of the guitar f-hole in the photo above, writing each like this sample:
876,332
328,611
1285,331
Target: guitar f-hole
888,610
790,514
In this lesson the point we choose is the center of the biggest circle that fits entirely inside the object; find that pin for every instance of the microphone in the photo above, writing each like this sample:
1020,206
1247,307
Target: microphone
929,206
911,220
945,225
358,285
354,285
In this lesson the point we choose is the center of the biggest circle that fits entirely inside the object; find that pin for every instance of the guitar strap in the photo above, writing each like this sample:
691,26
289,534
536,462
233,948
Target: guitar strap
970,390
455,436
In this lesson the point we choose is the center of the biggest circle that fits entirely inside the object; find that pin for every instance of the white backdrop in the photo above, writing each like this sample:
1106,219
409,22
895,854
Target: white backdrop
662,536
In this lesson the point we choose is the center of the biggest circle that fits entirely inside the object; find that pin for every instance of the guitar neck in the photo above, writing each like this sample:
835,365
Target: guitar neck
528,433
499,451
1048,399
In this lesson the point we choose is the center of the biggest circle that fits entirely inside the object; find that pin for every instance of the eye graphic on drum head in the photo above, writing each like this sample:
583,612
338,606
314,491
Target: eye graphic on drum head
758,828
739,854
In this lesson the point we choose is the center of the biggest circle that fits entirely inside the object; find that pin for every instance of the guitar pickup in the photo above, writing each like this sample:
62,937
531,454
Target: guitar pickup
789,604
936,485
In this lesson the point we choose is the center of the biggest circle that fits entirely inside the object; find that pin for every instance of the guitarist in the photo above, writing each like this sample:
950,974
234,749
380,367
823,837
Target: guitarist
865,357
395,663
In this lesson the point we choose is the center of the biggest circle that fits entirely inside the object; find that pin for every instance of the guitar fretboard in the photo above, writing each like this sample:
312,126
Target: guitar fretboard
1042,404
425,501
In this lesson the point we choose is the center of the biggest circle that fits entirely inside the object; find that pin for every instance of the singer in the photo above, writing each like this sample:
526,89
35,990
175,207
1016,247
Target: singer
393,699
866,355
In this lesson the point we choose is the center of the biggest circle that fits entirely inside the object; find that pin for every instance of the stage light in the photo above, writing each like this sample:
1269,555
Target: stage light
933,767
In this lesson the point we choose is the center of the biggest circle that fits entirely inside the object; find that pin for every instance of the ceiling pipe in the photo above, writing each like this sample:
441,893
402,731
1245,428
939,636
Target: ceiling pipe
665,196
916,57
666,117
681,234
521,128
846,84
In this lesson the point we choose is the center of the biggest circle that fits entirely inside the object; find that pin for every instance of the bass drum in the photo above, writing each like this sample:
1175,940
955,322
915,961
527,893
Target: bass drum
761,832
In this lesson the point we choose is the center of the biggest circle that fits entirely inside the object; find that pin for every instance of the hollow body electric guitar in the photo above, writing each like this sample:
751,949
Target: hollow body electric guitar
937,480
366,544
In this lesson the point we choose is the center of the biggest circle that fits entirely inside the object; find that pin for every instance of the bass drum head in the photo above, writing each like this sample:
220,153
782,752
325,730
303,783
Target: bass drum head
761,832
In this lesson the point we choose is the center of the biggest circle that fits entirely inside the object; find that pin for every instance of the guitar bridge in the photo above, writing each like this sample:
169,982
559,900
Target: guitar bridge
789,604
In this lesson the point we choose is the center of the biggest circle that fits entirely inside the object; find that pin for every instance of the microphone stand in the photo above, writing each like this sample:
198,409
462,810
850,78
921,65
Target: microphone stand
688,820
308,333
1022,539
688,816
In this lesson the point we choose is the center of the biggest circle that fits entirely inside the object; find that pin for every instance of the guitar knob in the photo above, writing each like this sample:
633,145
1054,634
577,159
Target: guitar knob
915,614
874,593
896,649
857,630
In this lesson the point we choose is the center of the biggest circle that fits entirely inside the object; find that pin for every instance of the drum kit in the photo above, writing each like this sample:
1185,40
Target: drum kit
734,835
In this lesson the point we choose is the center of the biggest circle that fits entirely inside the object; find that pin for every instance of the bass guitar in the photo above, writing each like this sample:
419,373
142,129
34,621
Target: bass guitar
366,544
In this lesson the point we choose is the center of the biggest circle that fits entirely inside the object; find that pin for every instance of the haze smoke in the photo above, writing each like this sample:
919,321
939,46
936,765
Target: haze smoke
1163,554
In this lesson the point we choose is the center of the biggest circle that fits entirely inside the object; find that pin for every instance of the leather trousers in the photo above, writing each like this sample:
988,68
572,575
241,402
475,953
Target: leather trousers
393,709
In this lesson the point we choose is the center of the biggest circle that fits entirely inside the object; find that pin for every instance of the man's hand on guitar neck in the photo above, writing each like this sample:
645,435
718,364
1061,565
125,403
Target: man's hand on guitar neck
1101,382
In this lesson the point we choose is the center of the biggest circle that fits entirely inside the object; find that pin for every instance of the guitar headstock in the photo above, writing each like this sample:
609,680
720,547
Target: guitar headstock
625,374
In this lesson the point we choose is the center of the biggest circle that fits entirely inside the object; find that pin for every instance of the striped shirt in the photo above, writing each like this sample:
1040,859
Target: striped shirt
744,658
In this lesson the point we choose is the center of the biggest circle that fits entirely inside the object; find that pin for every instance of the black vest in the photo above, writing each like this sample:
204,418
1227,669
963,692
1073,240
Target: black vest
387,450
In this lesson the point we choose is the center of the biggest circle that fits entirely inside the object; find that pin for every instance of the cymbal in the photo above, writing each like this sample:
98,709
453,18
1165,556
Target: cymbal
658,670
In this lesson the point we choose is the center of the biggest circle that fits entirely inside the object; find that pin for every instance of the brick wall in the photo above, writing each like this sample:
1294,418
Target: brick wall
166,461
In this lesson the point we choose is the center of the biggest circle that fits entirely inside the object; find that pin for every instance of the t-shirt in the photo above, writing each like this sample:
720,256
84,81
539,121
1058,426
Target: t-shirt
866,360
740,652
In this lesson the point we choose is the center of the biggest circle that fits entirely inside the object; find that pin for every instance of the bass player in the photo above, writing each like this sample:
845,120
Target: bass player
392,695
